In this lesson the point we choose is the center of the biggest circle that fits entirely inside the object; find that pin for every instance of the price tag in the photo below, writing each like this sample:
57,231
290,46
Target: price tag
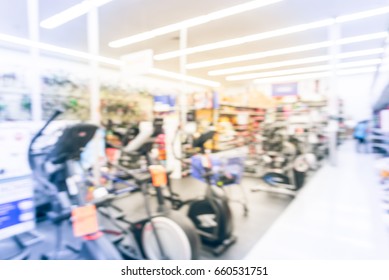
85,220
158,175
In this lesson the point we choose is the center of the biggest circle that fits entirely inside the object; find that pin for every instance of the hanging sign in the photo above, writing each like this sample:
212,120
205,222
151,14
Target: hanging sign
137,63
285,89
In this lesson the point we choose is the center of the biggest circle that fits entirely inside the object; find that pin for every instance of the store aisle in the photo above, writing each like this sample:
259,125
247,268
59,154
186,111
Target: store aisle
336,216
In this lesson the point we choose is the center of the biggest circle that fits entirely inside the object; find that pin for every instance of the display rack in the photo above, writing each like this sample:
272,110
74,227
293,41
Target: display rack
62,89
342,131
238,126
15,101
125,104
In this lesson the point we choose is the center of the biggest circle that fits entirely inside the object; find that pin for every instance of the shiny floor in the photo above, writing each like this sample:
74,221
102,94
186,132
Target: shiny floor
264,209
337,215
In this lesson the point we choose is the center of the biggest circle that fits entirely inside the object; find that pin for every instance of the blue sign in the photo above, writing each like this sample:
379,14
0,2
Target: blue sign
17,209
16,212
286,89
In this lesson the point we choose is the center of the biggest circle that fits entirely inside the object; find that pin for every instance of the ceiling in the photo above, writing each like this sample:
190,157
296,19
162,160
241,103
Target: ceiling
122,18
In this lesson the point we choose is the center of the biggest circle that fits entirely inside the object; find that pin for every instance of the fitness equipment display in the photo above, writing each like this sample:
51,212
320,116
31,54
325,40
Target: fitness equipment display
284,163
211,214
149,238
66,192
379,142
141,146
165,235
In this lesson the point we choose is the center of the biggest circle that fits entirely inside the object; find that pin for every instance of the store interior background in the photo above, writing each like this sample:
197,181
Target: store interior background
21,54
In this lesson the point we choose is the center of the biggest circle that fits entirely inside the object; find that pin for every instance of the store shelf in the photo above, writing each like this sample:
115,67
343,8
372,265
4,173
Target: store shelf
6,90
241,113
240,106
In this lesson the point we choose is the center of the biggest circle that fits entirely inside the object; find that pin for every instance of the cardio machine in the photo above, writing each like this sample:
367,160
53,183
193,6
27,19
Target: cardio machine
176,237
68,185
210,214
66,194
285,162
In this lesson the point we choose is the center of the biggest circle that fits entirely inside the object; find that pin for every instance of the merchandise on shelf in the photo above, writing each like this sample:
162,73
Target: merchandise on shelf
62,89
15,101
125,105
241,122
202,100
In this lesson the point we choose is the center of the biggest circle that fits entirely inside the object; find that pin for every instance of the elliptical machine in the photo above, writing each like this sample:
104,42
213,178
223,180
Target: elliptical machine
67,197
284,163
67,186
211,213
175,228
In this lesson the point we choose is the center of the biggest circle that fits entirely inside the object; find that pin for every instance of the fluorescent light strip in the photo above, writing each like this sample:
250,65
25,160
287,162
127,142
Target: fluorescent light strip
246,39
315,75
266,66
362,15
272,34
60,50
292,78
102,59
303,70
293,62
297,49
176,76
72,13
234,10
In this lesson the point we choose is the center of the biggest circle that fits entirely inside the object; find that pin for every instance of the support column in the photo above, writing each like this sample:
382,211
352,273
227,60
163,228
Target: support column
333,108
93,48
182,101
94,84
34,71
183,61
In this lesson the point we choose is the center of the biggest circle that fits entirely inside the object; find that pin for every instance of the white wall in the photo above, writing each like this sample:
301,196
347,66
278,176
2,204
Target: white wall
382,79
354,90
13,59
356,93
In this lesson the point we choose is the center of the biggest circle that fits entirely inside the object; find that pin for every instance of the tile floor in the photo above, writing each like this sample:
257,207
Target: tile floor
337,215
